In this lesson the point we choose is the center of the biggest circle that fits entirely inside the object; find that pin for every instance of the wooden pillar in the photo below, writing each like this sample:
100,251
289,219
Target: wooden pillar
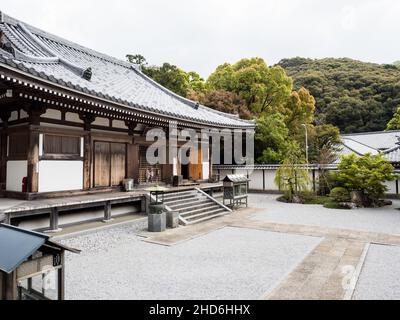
54,220
107,212
87,119
314,181
4,116
61,278
264,184
33,160
210,160
35,110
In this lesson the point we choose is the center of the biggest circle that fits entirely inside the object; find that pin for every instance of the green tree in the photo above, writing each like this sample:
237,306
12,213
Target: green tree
394,123
271,139
136,59
292,177
223,101
325,144
171,77
366,174
263,88
299,110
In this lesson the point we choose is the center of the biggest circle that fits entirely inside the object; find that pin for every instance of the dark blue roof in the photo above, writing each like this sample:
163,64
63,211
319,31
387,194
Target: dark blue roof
17,245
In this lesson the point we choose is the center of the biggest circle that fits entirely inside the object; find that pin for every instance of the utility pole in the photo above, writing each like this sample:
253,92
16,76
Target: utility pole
305,127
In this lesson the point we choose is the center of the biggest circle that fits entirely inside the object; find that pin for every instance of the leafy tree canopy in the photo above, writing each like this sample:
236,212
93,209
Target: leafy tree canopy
271,139
367,173
394,123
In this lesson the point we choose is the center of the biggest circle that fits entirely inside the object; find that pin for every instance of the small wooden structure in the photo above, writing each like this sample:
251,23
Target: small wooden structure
236,189
31,266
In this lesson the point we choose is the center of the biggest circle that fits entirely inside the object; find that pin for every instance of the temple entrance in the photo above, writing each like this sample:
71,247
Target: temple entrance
109,163
148,173
185,171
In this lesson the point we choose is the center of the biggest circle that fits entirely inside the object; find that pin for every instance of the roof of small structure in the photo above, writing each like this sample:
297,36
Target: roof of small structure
36,53
17,245
235,178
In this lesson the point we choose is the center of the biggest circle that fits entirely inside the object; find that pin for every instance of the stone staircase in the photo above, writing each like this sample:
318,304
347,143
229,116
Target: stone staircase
194,206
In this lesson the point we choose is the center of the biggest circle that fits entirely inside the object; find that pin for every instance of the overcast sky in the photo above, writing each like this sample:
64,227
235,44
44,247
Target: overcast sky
202,34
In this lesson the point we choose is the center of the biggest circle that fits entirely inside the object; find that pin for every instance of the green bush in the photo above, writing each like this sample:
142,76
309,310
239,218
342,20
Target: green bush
334,205
340,194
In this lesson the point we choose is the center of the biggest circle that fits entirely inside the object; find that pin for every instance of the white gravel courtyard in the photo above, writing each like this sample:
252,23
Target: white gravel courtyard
229,263
380,275
385,220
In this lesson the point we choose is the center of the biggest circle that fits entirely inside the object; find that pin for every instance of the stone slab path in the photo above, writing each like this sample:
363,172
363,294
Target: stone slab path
329,272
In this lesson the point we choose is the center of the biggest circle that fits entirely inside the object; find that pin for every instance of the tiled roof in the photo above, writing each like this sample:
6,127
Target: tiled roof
381,142
60,61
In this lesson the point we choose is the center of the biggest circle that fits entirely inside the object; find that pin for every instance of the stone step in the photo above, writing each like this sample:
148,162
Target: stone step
190,204
180,197
199,219
173,194
187,214
181,201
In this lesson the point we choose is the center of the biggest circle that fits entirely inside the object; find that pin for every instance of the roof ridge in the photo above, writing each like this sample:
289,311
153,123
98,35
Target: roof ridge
365,145
371,132
73,45
187,101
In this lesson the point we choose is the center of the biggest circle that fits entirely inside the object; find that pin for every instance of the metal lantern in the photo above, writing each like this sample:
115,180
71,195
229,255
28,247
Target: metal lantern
236,189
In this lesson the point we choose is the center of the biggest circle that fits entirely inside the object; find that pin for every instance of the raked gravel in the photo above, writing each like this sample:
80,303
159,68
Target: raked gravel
229,263
380,275
385,220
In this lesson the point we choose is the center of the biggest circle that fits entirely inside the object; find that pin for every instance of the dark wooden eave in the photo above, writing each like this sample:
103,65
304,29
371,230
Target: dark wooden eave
28,87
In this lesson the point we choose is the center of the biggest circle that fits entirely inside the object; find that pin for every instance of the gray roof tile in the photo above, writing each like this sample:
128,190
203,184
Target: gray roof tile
113,79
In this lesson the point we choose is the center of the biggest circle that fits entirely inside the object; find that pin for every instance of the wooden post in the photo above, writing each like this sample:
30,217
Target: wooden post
107,212
210,160
61,278
33,160
87,119
54,220
5,116
35,110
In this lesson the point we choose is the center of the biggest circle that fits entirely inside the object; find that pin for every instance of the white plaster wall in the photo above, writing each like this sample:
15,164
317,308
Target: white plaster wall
23,114
73,117
175,167
256,180
14,116
16,171
391,186
119,124
52,114
60,176
102,122
206,170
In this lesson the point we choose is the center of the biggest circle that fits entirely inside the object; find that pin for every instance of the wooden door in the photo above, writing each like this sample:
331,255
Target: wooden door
118,163
102,164
196,165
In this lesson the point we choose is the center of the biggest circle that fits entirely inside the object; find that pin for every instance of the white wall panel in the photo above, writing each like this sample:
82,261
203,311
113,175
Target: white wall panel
60,176
16,171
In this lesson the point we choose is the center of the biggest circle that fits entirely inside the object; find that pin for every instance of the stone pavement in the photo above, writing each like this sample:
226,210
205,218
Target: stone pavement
329,272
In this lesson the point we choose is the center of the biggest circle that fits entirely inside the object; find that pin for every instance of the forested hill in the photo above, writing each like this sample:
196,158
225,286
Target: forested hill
353,95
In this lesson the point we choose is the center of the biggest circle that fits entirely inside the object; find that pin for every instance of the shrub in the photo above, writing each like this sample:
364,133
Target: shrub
334,205
366,174
340,194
